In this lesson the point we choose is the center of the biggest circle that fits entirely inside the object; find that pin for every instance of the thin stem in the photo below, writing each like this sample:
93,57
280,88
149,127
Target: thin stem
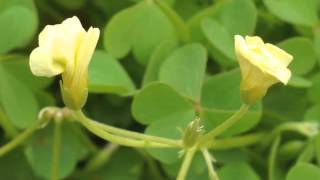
131,134
235,142
304,128
272,157
115,138
151,165
56,148
210,11
84,138
208,158
20,138
187,160
101,157
180,25
226,124
7,126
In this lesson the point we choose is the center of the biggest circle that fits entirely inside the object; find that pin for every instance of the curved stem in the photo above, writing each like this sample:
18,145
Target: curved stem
226,124
115,138
55,168
210,11
152,165
7,126
101,157
20,138
180,25
208,158
131,134
272,157
235,142
304,128
187,160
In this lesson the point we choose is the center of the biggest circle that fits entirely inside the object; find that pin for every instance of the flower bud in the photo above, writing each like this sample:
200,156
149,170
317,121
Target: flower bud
192,133
66,49
261,65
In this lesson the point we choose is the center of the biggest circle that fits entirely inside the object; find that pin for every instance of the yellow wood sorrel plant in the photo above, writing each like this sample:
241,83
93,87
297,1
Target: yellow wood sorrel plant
209,98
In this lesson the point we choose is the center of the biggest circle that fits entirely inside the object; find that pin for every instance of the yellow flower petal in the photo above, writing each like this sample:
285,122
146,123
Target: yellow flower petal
279,54
254,41
86,49
42,64
61,40
262,65
66,49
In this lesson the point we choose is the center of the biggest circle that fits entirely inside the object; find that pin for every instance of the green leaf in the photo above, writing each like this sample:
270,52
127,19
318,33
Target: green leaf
18,66
125,164
239,17
308,153
231,156
187,8
15,166
169,127
106,75
221,98
184,70
220,40
156,101
17,100
219,30
312,114
294,11
284,104
303,171
313,92
302,50
233,171
140,28
299,82
241,14
39,151
157,58
15,33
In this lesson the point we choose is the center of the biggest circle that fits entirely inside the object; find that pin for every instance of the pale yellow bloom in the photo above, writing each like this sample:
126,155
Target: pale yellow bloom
66,49
262,65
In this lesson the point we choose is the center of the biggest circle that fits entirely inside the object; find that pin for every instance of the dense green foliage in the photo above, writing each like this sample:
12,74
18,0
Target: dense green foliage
159,63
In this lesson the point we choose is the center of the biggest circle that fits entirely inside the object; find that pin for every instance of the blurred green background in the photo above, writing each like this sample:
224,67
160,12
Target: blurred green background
156,62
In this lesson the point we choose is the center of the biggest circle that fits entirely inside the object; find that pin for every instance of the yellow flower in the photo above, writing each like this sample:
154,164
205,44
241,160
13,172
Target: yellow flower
66,49
262,65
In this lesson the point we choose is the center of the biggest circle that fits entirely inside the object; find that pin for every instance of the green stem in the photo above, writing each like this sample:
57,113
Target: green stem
187,160
101,157
97,130
208,158
308,153
235,142
56,148
272,157
20,138
151,165
180,25
210,11
304,128
7,126
84,138
225,125
131,134
317,144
